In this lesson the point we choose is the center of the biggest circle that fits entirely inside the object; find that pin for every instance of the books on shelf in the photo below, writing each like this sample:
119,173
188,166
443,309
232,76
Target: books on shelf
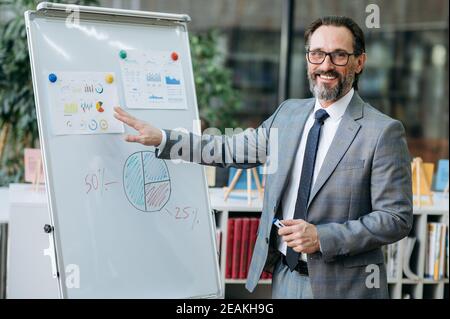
244,248
436,265
398,255
398,259
241,239
441,182
229,248
236,253
254,223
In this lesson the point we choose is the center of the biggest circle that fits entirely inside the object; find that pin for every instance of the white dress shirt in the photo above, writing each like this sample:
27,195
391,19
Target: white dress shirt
161,145
329,128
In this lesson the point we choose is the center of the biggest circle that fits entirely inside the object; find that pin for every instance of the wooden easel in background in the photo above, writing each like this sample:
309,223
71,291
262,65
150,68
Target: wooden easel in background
250,172
33,166
37,175
3,138
422,174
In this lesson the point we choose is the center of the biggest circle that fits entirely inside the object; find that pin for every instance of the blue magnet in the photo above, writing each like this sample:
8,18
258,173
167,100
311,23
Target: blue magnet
52,77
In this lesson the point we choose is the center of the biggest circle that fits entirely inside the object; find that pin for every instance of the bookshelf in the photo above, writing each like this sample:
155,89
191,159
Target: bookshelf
235,288
399,287
423,288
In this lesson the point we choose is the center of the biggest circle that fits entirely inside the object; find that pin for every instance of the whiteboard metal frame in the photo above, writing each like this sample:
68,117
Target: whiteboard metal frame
49,6
49,10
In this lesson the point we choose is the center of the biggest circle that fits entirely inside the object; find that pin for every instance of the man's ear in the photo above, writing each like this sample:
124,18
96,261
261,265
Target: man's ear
361,63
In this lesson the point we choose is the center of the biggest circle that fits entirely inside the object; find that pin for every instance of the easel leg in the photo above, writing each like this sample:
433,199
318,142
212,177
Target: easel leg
257,182
233,183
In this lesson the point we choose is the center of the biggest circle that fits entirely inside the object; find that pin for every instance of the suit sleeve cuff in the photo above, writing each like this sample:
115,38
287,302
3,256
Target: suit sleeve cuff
161,145
326,242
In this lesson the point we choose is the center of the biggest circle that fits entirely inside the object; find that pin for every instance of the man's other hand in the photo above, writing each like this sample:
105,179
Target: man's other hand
300,235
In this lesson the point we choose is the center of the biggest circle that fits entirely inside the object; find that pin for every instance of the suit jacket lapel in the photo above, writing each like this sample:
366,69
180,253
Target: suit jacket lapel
345,134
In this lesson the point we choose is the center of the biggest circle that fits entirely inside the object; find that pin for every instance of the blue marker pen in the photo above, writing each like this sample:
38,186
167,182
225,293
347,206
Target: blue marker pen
277,223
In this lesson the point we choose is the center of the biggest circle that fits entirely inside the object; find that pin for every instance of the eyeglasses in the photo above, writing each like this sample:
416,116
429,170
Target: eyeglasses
338,58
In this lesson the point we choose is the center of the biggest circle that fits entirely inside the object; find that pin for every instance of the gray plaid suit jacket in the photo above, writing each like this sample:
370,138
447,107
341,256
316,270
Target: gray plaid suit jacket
361,200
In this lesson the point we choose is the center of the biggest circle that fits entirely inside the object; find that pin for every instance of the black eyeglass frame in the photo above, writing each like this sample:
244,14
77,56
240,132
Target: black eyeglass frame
331,57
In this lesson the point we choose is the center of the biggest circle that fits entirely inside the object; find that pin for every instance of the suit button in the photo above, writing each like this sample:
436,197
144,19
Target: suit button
267,240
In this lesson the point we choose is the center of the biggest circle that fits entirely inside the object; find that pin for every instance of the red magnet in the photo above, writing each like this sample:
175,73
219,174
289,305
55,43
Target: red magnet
174,56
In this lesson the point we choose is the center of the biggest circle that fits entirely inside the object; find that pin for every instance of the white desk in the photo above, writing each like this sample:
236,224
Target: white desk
29,271
4,205
237,202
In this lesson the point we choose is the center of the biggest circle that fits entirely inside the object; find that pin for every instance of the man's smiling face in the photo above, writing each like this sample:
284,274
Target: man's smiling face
328,81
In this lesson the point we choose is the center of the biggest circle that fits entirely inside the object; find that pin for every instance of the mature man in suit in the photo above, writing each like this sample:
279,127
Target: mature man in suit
342,185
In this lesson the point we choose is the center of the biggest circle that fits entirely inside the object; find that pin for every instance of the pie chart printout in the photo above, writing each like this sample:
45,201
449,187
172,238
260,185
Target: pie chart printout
146,181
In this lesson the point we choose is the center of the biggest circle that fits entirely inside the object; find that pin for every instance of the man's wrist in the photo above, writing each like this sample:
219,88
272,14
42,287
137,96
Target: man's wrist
163,141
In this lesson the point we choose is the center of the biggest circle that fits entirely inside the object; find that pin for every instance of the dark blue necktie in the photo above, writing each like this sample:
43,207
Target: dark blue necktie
306,178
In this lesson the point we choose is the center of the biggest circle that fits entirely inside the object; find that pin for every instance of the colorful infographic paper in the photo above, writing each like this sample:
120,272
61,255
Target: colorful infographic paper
153,80
83,102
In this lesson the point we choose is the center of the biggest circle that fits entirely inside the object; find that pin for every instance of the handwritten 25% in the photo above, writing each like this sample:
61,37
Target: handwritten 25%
184,213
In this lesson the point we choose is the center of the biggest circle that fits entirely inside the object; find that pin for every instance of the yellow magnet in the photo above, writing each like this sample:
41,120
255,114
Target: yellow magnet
109,79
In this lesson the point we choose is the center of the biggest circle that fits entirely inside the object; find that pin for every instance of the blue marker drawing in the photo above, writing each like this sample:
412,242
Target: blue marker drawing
146,181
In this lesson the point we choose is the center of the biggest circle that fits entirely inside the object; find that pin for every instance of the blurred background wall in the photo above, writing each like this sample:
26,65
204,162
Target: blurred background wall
406,74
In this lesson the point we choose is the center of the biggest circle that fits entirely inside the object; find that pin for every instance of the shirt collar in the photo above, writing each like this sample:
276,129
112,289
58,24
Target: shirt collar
337,109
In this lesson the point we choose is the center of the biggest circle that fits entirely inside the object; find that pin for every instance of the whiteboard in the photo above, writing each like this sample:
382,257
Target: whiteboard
110,240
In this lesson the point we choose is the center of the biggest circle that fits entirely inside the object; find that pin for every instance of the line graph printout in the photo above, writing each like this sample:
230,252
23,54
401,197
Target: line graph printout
152,79
83,102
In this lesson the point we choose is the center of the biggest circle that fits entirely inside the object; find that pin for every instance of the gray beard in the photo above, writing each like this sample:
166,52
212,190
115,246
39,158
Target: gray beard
330,94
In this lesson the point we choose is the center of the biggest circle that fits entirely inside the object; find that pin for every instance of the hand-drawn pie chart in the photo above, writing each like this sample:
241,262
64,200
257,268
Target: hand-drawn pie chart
146,181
